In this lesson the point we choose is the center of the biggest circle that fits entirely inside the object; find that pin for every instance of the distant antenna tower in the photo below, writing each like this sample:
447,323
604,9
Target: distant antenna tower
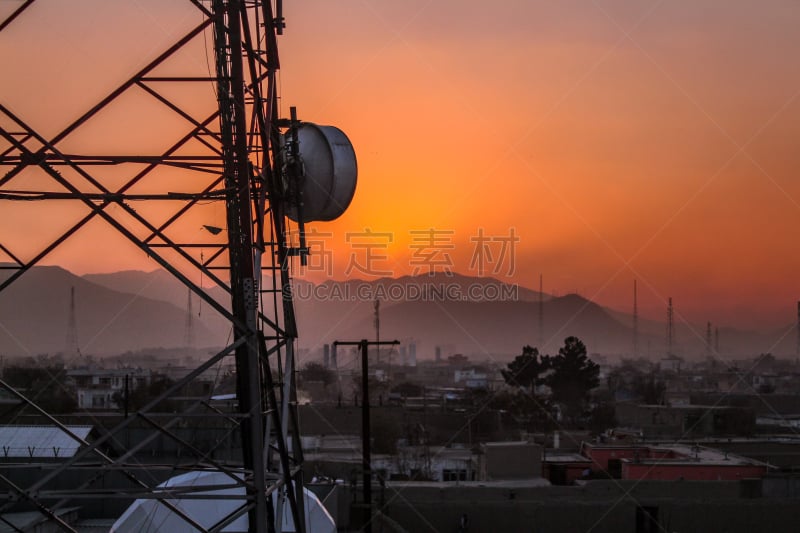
716,340
189,334
72,347
670,327
708,340
635,323
541,314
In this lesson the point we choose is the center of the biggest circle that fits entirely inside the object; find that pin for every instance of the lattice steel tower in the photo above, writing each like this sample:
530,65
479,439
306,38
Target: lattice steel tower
239,153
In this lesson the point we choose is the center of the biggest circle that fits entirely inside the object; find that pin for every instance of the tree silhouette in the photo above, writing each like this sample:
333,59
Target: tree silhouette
524,373
314,371
525,369
573,376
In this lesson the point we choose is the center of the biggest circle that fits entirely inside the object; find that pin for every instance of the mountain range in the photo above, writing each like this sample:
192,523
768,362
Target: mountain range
479,317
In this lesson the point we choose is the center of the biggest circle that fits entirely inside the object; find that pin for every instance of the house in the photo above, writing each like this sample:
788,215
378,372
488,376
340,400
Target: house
471,378
96,387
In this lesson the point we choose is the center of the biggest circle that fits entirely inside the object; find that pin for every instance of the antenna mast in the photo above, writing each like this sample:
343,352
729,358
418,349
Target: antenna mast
72,346
189,334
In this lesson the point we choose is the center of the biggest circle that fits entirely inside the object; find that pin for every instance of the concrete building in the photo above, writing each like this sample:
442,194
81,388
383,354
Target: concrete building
670,462
338,456
471,378
564,468
510,460
96,387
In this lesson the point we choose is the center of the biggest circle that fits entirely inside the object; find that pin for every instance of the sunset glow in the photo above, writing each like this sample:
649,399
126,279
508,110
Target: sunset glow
618,140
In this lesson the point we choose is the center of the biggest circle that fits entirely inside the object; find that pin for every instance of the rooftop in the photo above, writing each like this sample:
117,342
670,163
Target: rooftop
40,441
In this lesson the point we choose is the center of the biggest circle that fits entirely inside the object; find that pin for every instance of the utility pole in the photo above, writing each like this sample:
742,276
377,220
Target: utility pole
366,447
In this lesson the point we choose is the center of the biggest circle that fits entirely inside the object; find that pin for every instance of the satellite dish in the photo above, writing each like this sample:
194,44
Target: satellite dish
328,180
222,498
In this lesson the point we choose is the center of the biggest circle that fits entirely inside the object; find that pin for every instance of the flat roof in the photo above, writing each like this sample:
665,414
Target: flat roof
501,484
40,441
687,454
565,457
500,444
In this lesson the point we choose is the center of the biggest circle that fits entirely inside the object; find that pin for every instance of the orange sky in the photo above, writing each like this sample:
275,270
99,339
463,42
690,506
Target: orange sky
619,139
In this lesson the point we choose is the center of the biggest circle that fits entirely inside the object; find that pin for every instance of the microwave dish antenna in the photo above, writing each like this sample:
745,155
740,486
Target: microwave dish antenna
328,172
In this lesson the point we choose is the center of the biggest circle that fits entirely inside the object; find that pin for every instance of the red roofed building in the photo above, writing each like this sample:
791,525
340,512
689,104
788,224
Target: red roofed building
670,462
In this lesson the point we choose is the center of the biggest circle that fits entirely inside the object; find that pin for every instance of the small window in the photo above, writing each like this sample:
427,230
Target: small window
454,475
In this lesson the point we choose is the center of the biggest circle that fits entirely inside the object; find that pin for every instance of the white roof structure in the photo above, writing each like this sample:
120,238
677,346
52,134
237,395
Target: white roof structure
148,515
40,441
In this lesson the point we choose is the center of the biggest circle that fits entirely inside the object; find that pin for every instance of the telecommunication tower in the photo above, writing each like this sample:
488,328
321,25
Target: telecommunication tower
72,346
273,174
189,325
